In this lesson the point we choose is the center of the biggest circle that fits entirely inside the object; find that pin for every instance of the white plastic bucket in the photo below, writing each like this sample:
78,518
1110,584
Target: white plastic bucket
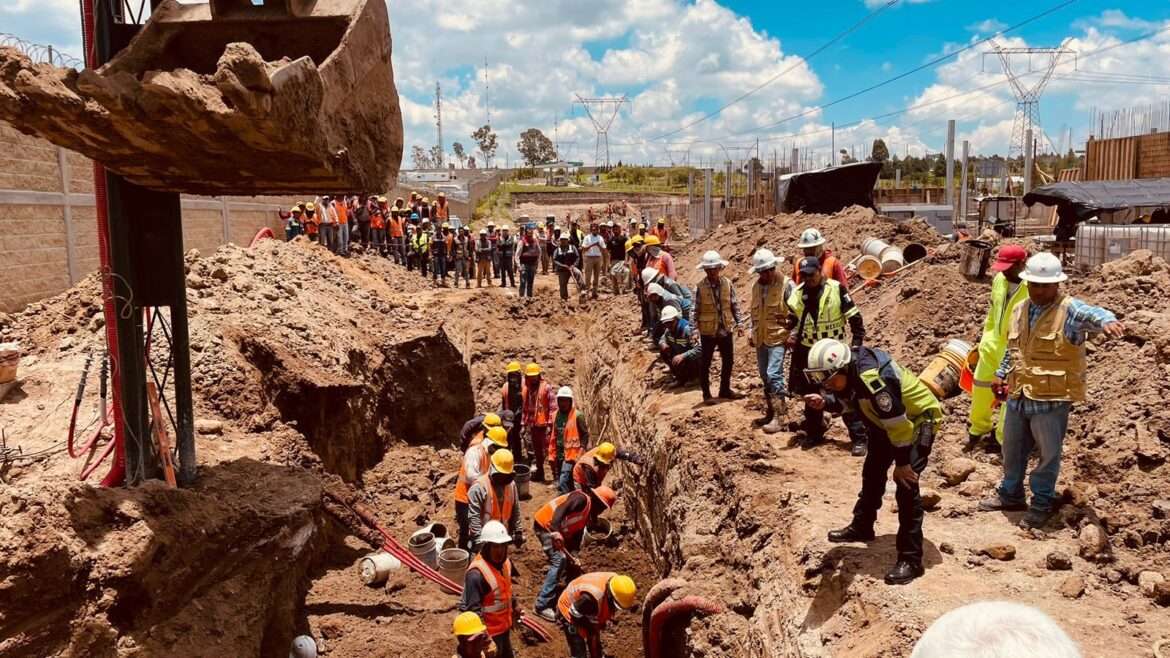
375,568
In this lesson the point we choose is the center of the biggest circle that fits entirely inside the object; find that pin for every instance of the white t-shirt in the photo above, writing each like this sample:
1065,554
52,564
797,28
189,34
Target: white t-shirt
592,245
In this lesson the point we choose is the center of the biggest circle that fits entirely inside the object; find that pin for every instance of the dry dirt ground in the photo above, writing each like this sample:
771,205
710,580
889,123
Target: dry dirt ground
312,368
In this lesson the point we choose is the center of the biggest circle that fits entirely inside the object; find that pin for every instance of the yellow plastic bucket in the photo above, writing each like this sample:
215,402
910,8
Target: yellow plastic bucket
943,374
869,267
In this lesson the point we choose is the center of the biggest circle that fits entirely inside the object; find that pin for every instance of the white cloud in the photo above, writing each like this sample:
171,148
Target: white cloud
987,26
1117,19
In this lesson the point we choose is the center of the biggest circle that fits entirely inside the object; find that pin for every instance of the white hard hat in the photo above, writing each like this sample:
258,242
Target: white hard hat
565,392
825,358
763,259
648,275
669,313
810,238
1044,267
303,646
655,289
711,260
494,532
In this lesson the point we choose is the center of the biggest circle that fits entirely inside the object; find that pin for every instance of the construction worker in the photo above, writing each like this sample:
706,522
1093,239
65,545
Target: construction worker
616,255
483,258
506,246
472,636
341,209
461,246
658,298
540,407
593,258
1042,375
560,526
660,231
657,258
651,275
812,243
587,605
292,227
679,349
474,430
493,497
565,261
441,244
900,413
547,243
528,254
421,246
820,309
476,462
715,316
411,257
769,335
512,401
442,211
591,469
312,222
487,587
328,214
569,438
494,238
379,217
1008,290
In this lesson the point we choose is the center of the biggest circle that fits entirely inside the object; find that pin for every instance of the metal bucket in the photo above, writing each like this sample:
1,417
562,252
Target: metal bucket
523,476
869,267
976,258
375,568
453,563
422,545
943,374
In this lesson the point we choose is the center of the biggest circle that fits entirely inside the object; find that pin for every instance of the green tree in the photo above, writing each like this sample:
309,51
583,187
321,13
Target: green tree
460,154
535,147
880,152
486,140
420,157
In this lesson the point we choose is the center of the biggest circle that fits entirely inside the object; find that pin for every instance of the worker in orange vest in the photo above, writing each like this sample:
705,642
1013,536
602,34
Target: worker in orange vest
472,636
569,439
587,605
660,230
487,588
812,243
312,222
590,470
441,211
493,498
378,217
539,409
341,207
512,399
476,462
560,525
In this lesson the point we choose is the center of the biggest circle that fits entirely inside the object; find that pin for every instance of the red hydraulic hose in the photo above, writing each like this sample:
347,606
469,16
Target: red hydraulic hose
657,594
687,606
263,234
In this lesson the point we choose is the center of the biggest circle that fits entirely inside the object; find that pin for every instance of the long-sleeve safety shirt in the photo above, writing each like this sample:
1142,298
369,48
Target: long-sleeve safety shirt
477,501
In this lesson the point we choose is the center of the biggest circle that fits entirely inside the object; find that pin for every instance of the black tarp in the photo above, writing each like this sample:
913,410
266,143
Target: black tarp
830,189
1076,202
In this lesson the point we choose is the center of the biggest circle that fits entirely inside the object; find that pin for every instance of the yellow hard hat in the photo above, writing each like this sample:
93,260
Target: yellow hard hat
310,206
661,220
513,367
296,209
624,591
467,624
382,199
503,461
498,436
426,199
652,240
606,452
491,420
532,370
446,224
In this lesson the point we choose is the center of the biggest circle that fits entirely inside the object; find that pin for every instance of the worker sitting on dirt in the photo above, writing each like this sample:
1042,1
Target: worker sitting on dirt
473,430
476,462
657,258
900,413
472,636
716,316
560,526
1042,375
587,605
512,400
493,497
681,352
591,469
1008,290
769,334
820,308
570,436
812,244
540,407
487,587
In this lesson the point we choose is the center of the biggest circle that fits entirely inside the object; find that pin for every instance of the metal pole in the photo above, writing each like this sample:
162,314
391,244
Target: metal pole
67,215
898,178
710,182
960,218
950,155
1029,147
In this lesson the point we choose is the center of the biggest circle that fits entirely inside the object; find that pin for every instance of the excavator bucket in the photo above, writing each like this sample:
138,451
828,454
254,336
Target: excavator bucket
229,97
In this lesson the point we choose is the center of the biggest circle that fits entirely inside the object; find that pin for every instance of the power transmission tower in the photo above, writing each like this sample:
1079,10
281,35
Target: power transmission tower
607,111
1037,65
439,125
679,154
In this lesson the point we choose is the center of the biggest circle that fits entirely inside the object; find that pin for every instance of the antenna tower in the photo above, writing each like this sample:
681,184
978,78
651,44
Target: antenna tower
439,124
1038,65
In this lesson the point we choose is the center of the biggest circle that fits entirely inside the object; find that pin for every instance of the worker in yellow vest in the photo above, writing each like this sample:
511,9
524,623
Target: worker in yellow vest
1042,375
716,316
1007,291
487,588
769,334
820,309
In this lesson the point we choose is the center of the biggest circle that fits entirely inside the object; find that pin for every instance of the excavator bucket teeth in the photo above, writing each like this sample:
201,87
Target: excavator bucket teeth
229,98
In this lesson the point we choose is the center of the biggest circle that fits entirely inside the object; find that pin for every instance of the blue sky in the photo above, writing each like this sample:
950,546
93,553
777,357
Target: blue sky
679,59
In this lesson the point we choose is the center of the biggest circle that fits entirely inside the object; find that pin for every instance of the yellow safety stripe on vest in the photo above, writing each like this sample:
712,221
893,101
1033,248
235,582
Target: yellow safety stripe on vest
872,379
830,320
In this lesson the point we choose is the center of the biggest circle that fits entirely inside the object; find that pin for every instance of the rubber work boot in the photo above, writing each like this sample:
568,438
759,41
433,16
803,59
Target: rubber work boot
903,572
769,413
777,423
850,534
994,503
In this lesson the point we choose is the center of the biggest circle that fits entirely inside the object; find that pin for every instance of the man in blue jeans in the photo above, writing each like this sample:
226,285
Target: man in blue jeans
769,333
569,440
560,525
1042,375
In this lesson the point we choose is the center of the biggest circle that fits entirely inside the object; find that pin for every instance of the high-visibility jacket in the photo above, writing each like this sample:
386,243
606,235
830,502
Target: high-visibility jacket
709,315
662,232
594,584
504,405
1045,364
571,524
536,407
496,609
830,320
893,399
476,454
377,220
498,508
769,313
421,242
396,225
992,347
571,441
312,224
588,461
342,212
441,211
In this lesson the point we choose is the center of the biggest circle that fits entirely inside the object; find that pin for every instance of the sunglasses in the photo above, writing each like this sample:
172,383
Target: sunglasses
819,376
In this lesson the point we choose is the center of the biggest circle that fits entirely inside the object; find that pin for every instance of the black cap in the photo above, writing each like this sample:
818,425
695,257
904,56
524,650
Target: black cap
809,265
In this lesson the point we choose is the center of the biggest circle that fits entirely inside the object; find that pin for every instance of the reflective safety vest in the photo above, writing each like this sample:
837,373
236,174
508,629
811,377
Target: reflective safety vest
571,441
571,524
504,398
342,212
769,313
496,608
993,342
709,316
830,321
377,220
464,481
497,509
588,460
918,404
537,416
662,233
1045,365
594,584
421,242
